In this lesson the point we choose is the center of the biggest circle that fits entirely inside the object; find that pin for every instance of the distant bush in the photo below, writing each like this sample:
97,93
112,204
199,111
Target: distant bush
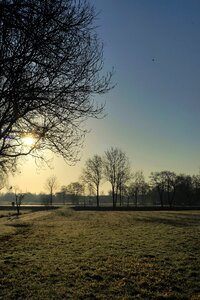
65,212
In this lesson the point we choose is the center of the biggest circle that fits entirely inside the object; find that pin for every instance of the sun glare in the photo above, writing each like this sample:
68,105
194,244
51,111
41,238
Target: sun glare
28,141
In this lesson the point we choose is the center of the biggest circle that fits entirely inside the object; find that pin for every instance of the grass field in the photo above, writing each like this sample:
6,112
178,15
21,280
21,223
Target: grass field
65,254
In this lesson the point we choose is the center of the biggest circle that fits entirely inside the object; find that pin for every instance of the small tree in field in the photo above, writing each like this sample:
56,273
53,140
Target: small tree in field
196,188
18,201
51,185
165,182
19,196
136,187
116,171
75,189
157,181
92,174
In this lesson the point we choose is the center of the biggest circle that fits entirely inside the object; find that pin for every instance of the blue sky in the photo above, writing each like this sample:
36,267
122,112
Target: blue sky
153,112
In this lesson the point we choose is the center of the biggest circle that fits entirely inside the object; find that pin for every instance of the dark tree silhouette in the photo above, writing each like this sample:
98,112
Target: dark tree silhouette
51,185
92,173
165,182
116,171
137,186
18,201
196,188
76,190
51,68
170,186
184,189
157,181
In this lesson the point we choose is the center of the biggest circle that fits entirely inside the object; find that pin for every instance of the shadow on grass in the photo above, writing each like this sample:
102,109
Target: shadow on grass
177,221
33,208
177,216
132,208
19,225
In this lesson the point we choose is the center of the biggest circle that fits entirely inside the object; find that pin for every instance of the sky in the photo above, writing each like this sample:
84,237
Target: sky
153,113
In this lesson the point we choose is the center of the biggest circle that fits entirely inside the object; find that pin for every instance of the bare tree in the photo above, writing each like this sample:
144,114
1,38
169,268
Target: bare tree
170,186
51,185
18,201
123,177
51,68
116,171
184,189
92,173
157,181
62,194
136,187
196,188
19,196
76,189
165,182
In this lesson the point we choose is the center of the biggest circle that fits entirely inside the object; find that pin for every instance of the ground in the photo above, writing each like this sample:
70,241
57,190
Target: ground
65,254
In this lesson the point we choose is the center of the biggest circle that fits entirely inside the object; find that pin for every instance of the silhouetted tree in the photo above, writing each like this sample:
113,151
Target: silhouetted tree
92,173
75,189
123,178
51,185
62,194
170,185
91,193
196,188
19,196
184,189
157,181
18,201
51,68
137,186
116,171
44,199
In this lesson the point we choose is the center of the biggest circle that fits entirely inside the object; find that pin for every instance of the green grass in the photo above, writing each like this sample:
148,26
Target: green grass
101,255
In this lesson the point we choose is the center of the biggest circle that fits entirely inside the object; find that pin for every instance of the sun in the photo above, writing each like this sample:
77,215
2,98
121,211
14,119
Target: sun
28,141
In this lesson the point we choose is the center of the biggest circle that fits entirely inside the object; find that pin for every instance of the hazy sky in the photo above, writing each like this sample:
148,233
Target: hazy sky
153,114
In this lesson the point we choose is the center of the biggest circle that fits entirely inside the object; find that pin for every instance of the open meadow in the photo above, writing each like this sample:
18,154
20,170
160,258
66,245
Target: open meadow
65,254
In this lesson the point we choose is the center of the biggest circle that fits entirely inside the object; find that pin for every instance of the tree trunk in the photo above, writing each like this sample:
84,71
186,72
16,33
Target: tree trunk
120,197
51,197
113,196
17,206
172,199
161,197
136,199
97,196
128,201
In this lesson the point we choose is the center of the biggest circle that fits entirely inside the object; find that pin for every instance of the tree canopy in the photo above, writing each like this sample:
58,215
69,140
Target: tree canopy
51,69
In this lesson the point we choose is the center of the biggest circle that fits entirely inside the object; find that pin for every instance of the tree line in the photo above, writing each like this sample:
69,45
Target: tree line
164,188
127,187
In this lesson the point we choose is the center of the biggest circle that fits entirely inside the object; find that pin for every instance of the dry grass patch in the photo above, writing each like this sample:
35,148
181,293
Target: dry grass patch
102,255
